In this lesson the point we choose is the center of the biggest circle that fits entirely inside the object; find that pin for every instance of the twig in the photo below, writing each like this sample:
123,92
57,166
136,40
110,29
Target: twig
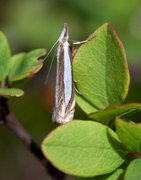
7,119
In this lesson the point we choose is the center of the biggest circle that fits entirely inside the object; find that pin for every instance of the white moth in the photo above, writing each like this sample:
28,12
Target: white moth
64,88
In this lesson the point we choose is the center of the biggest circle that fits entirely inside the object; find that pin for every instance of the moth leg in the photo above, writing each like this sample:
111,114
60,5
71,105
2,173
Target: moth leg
80,42
78,92
75,88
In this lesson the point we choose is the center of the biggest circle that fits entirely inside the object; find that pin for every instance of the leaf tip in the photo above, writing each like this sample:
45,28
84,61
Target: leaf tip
43,56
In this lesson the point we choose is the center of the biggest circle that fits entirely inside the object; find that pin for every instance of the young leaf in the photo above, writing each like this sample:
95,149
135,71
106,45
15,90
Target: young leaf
129,134
10,92
101,70
133,171
83,149
25,65
4,56
110,113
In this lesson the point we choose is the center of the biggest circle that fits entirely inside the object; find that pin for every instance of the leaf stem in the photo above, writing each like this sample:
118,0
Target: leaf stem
9,120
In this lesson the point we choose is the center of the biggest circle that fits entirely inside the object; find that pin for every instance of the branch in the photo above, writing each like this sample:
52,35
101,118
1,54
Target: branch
7,119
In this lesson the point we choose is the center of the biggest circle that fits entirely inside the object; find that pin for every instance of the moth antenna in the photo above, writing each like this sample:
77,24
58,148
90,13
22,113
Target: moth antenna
51,49
50,67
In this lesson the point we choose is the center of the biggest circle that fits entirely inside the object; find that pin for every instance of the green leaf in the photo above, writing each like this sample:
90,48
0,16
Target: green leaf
133,171
86,106
113,176
10,92
4,56
25,65
21,65
110,113
101,70
83,149
129,134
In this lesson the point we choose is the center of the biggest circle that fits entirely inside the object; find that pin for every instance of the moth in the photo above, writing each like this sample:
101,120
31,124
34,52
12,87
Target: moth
64,106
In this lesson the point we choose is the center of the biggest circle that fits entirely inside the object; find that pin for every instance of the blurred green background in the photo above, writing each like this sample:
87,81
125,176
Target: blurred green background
31,24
